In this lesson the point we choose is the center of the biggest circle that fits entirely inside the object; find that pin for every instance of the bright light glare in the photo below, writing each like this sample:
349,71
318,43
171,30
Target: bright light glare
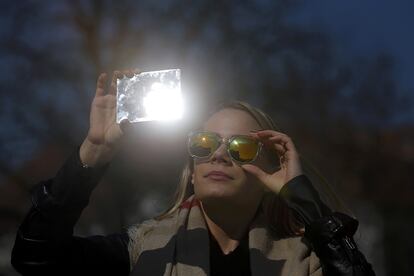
163,102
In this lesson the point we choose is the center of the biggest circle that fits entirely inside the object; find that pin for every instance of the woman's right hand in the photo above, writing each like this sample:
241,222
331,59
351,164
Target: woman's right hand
104,135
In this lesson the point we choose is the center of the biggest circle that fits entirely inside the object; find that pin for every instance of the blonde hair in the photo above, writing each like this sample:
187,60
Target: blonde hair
280,219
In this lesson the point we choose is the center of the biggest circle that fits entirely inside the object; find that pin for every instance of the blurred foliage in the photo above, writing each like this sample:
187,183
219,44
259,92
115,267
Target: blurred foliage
343,115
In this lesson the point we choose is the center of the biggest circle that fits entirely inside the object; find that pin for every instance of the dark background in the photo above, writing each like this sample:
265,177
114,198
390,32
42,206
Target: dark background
335,76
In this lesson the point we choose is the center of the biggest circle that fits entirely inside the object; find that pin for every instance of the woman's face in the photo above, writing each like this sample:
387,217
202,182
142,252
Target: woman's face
239,187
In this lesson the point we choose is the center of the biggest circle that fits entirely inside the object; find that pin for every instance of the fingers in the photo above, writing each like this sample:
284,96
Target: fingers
280,148
115,76
275,136
119,75
100,84
280,141
130,72
286,142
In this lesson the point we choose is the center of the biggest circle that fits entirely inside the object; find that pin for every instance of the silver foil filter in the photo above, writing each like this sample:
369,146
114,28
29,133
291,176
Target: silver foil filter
149,96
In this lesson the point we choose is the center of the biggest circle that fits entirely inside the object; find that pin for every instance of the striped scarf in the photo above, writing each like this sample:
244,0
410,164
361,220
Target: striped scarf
179,245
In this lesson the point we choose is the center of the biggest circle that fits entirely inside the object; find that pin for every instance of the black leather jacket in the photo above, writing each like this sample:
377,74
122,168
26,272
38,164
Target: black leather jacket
45,244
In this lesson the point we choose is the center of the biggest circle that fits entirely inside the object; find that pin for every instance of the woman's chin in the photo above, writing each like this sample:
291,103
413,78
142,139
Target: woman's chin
214,193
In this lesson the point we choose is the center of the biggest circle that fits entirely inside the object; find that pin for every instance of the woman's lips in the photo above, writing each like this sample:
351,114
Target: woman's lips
218,175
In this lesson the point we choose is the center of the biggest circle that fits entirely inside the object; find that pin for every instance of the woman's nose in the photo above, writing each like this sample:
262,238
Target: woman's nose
221,154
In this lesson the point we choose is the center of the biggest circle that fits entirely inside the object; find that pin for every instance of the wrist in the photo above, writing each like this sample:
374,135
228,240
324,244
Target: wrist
93,155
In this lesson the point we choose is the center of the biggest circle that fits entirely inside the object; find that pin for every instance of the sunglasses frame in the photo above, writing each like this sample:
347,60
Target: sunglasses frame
226,141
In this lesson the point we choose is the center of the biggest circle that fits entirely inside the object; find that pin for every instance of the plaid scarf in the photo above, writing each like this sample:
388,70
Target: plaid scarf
179,245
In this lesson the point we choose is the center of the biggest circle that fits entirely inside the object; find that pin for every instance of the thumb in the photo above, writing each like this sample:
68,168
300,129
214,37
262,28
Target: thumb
125,126
256,171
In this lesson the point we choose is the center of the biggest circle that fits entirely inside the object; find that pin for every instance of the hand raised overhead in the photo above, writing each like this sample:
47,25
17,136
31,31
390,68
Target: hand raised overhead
104,133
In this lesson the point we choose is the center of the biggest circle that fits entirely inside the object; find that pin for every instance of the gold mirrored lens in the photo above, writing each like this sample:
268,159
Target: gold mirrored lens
243,149
203,144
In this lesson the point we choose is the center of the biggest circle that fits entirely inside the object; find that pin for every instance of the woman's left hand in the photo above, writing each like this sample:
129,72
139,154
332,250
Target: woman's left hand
289,160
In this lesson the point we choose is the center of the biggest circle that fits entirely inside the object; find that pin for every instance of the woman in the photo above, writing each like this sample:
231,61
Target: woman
243,207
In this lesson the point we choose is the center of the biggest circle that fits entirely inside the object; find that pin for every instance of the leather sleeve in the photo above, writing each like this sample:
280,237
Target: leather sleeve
45,244
330,234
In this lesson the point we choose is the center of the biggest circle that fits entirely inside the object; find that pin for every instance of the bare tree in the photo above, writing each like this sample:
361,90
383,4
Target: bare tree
227,49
